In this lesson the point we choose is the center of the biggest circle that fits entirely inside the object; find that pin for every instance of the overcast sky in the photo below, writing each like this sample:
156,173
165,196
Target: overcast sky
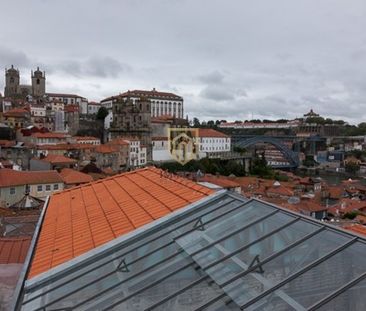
228,59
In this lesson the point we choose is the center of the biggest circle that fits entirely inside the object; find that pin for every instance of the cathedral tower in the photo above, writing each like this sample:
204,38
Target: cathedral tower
38,83
11,82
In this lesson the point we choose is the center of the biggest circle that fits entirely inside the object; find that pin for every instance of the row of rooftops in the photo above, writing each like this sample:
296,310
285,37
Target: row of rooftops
86,218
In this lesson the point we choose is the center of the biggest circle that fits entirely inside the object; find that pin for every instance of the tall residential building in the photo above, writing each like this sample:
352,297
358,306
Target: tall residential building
162,103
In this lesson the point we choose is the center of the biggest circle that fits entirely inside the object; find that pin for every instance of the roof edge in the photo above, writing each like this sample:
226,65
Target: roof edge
23,274
73,263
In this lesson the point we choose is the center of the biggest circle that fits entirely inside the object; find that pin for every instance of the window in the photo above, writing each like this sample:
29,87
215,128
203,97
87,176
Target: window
39,188
12,190
55,187
38,81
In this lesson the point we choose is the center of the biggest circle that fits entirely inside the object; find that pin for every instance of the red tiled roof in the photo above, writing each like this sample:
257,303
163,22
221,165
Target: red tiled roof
50,135
280,190
106,149
360,229
159,138
14,249
118,141
10,177
78,138
348,205
335,192
151,94
7,143
310,206
62,95
16,112
65,146
211,133
220,181
58,159
71,108
70,177
82,218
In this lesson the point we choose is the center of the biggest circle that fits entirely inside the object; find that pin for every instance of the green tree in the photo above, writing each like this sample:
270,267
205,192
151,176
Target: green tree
260,168
196,122
352,167
102,113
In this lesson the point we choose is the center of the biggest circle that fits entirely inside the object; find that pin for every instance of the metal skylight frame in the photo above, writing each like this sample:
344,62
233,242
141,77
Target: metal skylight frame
192,210
255,221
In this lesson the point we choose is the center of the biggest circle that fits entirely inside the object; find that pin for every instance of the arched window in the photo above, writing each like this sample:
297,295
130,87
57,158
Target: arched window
38,81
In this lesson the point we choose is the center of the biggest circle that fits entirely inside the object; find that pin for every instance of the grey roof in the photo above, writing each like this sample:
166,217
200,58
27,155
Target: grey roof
226,253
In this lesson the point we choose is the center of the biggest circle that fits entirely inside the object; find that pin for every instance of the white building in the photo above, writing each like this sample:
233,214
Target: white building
160,149
93,108
211,141
57,106
50,138
89,140
108,120
137,155
37,110
67,99
162,103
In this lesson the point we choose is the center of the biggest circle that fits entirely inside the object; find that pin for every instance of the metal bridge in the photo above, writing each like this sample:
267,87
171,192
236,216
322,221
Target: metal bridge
291,156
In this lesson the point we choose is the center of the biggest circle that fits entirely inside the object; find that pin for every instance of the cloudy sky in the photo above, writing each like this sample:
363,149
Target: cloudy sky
229,59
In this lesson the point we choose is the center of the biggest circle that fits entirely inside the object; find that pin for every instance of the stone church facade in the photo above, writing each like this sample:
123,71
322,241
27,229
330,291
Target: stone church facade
13,88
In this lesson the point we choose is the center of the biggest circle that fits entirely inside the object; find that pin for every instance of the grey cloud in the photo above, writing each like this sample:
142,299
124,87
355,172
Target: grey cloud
216,93
10,57
105,67
256,60
95,66
214,77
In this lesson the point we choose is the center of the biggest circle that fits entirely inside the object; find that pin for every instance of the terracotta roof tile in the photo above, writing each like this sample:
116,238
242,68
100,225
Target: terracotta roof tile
50,135
70,177
14,249
360,229
10,177
211,133
58,159
82,218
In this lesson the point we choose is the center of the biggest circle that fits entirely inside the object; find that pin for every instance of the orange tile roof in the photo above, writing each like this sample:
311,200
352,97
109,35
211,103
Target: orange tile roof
65,146
16,112
70,177
10,177
211,133
50,135
220,181
7,143
81,218
360,229
14,249
118,141
58,159
280,190
85,138
106,149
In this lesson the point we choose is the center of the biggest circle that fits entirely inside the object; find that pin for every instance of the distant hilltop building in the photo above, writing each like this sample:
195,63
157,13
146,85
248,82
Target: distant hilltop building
162,103
13,88
311,114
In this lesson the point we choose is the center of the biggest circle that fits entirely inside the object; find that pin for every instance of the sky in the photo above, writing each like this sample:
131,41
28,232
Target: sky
229,59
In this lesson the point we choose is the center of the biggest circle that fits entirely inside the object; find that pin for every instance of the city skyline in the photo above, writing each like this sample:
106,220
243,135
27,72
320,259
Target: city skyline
231,60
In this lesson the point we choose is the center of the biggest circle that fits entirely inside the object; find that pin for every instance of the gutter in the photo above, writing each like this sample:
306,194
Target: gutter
17,295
